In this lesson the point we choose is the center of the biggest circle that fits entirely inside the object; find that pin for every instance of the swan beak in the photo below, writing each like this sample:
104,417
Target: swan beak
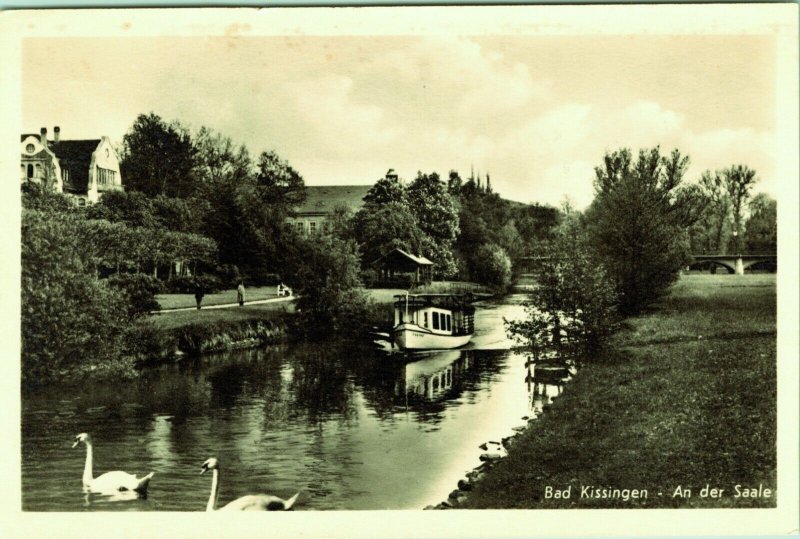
75,445
203,471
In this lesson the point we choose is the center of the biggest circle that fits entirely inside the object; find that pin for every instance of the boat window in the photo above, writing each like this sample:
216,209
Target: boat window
435,320
425,320
448,322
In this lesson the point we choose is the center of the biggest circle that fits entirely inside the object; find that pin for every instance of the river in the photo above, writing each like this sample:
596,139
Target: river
349,428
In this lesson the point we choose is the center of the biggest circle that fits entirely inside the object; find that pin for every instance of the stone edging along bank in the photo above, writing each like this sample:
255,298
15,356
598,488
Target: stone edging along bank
493,452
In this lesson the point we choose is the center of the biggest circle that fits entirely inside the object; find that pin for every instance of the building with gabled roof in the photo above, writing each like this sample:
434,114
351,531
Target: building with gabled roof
311,217
82,169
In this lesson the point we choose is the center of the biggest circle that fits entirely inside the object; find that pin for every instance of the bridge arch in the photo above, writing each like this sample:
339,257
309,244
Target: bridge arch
712,265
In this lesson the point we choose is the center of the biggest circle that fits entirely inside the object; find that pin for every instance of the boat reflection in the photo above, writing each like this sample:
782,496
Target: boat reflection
546,380
433,376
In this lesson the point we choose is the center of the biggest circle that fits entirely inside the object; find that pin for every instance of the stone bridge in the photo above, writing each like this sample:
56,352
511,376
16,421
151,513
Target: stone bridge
734,263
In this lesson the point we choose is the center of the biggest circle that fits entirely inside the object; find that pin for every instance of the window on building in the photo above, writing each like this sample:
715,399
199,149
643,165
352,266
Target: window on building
312,227
299,227
30,171
30,148
105,176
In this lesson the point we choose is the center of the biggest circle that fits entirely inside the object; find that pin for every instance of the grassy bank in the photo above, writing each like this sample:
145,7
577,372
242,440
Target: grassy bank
259,311
178,301
685,397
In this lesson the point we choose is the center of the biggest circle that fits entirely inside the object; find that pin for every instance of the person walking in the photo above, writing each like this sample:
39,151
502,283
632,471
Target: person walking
198,293
240,293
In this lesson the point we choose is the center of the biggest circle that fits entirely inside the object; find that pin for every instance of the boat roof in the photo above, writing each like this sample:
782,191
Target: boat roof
436,300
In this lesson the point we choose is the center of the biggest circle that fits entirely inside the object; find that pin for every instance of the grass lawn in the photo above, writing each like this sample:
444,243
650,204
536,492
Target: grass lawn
260,311
177,301
686,397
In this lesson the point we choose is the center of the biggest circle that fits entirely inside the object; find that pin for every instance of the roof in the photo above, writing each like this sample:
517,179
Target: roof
26,135
421,260
399,257
324,198
75,156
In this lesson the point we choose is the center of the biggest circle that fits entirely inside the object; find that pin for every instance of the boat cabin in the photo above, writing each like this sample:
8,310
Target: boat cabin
440,314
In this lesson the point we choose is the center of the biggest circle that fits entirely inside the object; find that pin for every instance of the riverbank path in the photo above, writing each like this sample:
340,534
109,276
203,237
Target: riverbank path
226,305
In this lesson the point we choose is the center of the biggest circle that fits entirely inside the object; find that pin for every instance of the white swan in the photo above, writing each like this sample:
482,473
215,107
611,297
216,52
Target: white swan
252,502
110,482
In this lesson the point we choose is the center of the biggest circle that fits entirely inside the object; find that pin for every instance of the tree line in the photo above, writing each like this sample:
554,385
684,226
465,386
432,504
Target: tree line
623,253
197,207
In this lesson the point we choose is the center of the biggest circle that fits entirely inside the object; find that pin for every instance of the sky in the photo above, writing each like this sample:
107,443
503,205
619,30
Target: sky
536,112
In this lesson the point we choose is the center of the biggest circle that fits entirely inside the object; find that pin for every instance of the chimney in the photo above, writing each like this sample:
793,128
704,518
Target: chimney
43,137
57,134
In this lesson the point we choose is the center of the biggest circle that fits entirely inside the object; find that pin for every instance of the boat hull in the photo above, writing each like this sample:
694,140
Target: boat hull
413,337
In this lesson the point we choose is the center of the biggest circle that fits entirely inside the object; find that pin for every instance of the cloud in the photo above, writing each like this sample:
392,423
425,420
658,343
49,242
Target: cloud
336,119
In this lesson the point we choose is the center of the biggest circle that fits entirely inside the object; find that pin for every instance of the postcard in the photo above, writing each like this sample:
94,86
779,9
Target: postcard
455,271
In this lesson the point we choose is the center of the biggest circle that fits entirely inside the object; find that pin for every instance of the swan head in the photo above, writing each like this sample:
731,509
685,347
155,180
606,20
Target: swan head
210,464
82,437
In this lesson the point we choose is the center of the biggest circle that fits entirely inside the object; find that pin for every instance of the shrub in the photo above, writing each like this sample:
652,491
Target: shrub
492,266
145,342
196,339
331,298
369,277
186,284
68,316
575,305
140,290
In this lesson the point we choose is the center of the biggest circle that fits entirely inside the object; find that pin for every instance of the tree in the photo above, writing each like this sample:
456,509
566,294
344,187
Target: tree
39,197
157,158
67,314
387,191
380,229
493,266
131,208
331,298
437,216
224,170
574,308
638,223
709,232
280,185
761,229
738,180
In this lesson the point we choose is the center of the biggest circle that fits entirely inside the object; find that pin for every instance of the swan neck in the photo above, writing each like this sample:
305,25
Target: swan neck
87,469
212,499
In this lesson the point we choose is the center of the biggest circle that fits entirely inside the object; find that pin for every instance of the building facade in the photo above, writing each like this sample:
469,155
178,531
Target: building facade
312,216
81,169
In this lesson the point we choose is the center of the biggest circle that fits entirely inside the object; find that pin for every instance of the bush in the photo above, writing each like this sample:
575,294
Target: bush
69,317
331,297
574,308
146,343
228,274
369,277
140,290
196,339
492,266
187,284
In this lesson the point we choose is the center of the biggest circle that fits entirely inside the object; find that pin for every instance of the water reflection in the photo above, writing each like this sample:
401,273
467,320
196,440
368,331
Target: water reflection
545,380
353,428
